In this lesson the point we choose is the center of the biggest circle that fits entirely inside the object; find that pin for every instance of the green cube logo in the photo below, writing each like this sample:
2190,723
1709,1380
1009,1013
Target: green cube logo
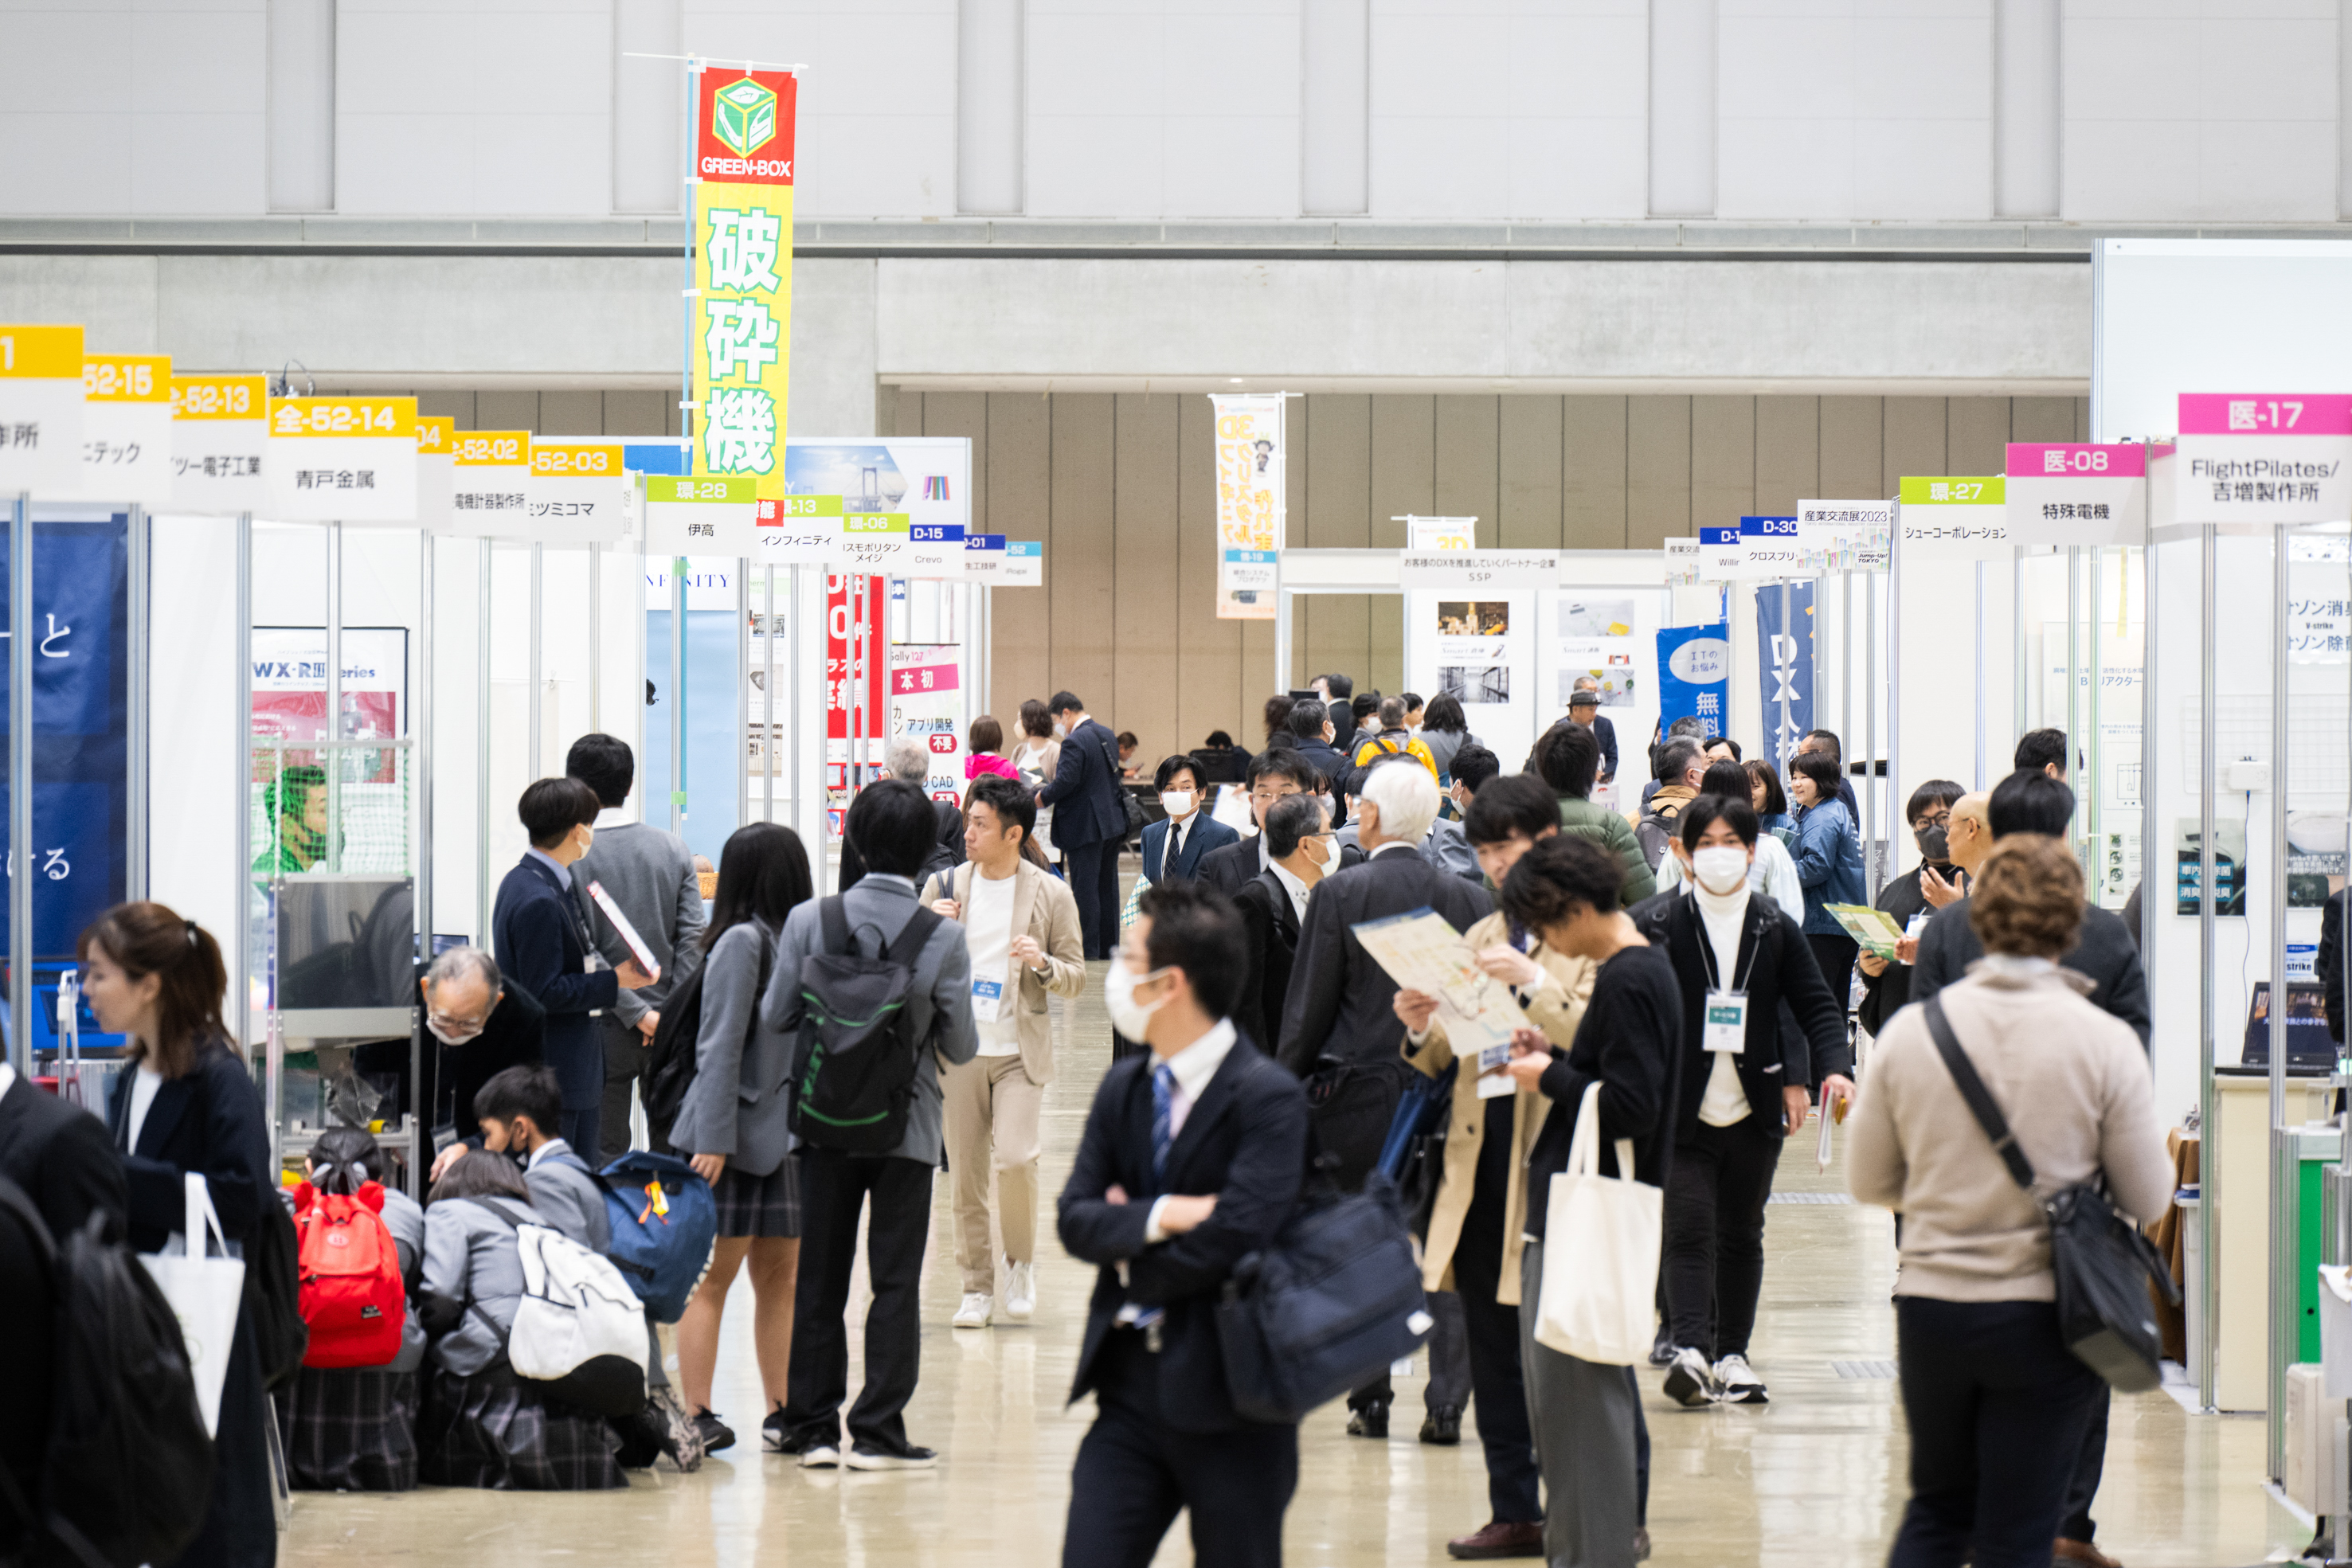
743,116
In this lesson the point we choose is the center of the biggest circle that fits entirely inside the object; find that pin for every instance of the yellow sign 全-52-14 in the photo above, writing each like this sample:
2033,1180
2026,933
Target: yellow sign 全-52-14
374,417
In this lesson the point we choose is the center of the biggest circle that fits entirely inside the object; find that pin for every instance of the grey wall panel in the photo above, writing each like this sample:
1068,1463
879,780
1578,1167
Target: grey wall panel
1083,547
1468,473
1332,632
1209,657
1405,481
2041,419
1853,437
1657,470
635,412
964,414
1788,452
1527,442
571,413
1593,455
1723,459
456,405
1145,675
1977,435
1020,502
506,410
1915,440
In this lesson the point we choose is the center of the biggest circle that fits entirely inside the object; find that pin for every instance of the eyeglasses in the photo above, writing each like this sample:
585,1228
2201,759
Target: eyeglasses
1934,820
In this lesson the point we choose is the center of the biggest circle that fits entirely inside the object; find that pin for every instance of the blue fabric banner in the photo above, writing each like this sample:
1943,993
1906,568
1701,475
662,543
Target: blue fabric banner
1784,667
1694,675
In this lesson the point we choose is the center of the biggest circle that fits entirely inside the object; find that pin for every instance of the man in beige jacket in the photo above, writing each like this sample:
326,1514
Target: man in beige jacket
1476,1227
1020,925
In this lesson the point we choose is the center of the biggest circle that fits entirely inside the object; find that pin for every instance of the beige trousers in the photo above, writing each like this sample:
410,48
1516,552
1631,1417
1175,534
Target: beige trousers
991,1124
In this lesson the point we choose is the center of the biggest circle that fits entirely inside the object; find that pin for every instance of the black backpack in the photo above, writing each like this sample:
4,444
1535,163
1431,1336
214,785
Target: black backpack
273,1294
128,1469
669,1072
854,1070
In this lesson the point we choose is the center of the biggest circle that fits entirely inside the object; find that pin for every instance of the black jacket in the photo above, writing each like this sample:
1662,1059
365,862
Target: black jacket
208,1120
1221,765
540,940
1624,1045
2327,964
2105,952
1272,925
1228,867
1245,1141
1085,788
1776,963
1884,995
59,1153
1338,1003
1333,764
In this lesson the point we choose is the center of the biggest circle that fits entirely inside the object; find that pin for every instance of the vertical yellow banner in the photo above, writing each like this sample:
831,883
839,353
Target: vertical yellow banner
742,348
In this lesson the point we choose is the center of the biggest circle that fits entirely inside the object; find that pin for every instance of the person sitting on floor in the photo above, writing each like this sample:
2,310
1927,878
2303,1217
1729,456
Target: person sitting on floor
483,1425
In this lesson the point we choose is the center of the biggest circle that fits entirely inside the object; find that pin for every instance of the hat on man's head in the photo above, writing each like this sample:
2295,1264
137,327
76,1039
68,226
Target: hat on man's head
1585,698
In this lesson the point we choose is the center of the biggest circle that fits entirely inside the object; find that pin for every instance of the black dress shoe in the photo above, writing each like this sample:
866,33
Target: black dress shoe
1661,1353
1442,1427
1370,1421
1499,1539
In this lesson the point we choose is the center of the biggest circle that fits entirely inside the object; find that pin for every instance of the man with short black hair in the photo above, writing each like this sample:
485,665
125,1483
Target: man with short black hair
1317,728
1567,759
1301,852
518,1109
544,944
1275,775
649,872
2043,751
1448,847
892,824
1334,688
1721,748
1191,1160
1090,818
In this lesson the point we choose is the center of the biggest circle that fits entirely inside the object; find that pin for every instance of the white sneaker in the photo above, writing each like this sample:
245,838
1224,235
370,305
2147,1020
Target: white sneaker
1741,1383
1690,1382
824,1456
1021,1291
978,1306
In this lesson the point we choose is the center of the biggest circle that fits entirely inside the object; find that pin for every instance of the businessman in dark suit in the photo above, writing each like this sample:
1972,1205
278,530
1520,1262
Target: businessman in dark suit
545,946
1192,832
1273,904
1090,819
59,1153
1274,773
1192,1159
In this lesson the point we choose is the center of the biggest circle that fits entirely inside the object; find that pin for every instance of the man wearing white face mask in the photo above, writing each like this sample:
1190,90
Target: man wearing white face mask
1172,847
1738,959
477,1023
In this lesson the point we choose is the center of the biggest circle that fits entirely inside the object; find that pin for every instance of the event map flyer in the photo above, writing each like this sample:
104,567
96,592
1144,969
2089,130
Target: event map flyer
1421,952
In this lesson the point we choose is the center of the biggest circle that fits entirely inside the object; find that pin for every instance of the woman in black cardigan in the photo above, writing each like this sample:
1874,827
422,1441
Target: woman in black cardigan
185,1103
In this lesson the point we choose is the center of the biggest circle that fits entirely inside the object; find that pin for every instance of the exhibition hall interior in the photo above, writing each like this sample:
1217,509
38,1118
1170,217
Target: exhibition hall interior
1334,781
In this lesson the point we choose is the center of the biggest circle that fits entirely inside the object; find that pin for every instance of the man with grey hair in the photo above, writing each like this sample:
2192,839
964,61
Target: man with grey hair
1338,1006
908,759
1682,763
474,1023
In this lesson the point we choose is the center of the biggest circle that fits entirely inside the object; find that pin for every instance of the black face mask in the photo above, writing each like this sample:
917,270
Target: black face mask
1935,841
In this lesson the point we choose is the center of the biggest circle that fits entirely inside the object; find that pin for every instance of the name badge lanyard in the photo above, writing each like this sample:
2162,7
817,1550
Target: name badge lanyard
1725,1028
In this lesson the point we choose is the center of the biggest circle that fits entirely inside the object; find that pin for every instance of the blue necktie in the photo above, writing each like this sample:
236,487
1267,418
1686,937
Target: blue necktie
1164,1089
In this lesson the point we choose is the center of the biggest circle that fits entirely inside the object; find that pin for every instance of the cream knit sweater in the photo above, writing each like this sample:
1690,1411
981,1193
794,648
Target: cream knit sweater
2074,1086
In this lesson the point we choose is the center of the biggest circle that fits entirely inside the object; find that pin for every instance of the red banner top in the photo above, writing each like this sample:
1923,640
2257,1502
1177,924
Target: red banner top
743,127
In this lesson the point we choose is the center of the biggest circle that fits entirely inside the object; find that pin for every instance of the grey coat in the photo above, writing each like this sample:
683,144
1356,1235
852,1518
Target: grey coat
568,1199
940,1011
736,1106
471,1256
650,874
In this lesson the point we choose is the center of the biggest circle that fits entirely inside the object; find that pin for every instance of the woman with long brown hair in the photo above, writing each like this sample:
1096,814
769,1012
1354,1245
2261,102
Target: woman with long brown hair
186,1102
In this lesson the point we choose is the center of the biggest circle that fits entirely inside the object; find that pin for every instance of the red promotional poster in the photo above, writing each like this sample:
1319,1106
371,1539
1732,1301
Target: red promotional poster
744,134
841,618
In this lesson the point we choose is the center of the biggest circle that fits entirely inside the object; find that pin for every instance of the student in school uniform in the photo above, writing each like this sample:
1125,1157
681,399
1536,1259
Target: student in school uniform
483,1425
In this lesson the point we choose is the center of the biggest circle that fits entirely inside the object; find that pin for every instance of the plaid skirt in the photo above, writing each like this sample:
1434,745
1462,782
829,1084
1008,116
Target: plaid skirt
496,1431
760,1206
349,1429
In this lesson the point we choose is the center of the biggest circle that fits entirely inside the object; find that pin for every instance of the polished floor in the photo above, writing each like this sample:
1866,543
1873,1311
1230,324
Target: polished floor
1816,1478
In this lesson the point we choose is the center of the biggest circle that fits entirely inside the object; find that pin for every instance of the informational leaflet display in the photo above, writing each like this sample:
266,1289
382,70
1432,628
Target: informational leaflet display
802,531
40,409
578,491
2068,493
881,490
927,704
1954,519
490,486
342,459
1421,952
220,437
2263,457
740,348
700,516
1720,554
1473,651
1596,640
126,428
2318,613
437,473
1694,675
1767,550
1844,536
1248,448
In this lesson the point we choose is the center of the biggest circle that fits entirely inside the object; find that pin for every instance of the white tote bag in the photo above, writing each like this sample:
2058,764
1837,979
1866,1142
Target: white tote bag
1601,1253
205,1293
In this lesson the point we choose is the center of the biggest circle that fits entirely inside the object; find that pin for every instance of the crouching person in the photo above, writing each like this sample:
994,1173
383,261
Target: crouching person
349,1418
482,1426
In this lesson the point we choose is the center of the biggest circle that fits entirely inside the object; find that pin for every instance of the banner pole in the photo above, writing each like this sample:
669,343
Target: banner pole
332,755
241,983
538,709
677,695
138,689
485,571
20,784
767,701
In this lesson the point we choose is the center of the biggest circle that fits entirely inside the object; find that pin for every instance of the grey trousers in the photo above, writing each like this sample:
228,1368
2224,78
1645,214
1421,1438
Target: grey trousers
1582,1414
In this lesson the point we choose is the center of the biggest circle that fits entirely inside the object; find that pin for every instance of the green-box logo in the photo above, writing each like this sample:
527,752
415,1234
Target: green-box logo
743,116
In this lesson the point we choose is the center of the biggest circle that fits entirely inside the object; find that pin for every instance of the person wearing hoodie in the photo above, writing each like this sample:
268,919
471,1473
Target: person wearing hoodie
987,743
1680,765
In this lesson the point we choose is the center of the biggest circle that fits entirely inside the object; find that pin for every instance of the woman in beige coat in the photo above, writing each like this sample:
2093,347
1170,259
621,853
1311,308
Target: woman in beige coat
1477,1224
1995,1401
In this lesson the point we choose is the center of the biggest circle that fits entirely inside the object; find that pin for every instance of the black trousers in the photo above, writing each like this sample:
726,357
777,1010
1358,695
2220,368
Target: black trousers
1834,951
1133,1474
1996,1404
584,1130
833,1188
1716,1191
1093,873
2090,1465
626,1055
1499,1388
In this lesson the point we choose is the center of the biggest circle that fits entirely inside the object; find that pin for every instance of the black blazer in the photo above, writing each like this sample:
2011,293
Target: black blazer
542,944
1338,1003
2105,952
1779,966
1333,765
208,1121
1273,948
1245,1141
514,1035
59,1153
1229,868
1085,788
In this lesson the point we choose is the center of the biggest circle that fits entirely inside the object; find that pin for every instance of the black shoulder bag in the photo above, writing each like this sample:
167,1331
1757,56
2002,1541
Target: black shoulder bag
2104,1266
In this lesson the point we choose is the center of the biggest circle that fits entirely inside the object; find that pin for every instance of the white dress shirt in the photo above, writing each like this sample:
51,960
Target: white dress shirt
1292,884
1193,1067
1177,829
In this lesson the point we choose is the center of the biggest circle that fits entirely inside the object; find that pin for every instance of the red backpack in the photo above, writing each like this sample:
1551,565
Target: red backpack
351,1296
